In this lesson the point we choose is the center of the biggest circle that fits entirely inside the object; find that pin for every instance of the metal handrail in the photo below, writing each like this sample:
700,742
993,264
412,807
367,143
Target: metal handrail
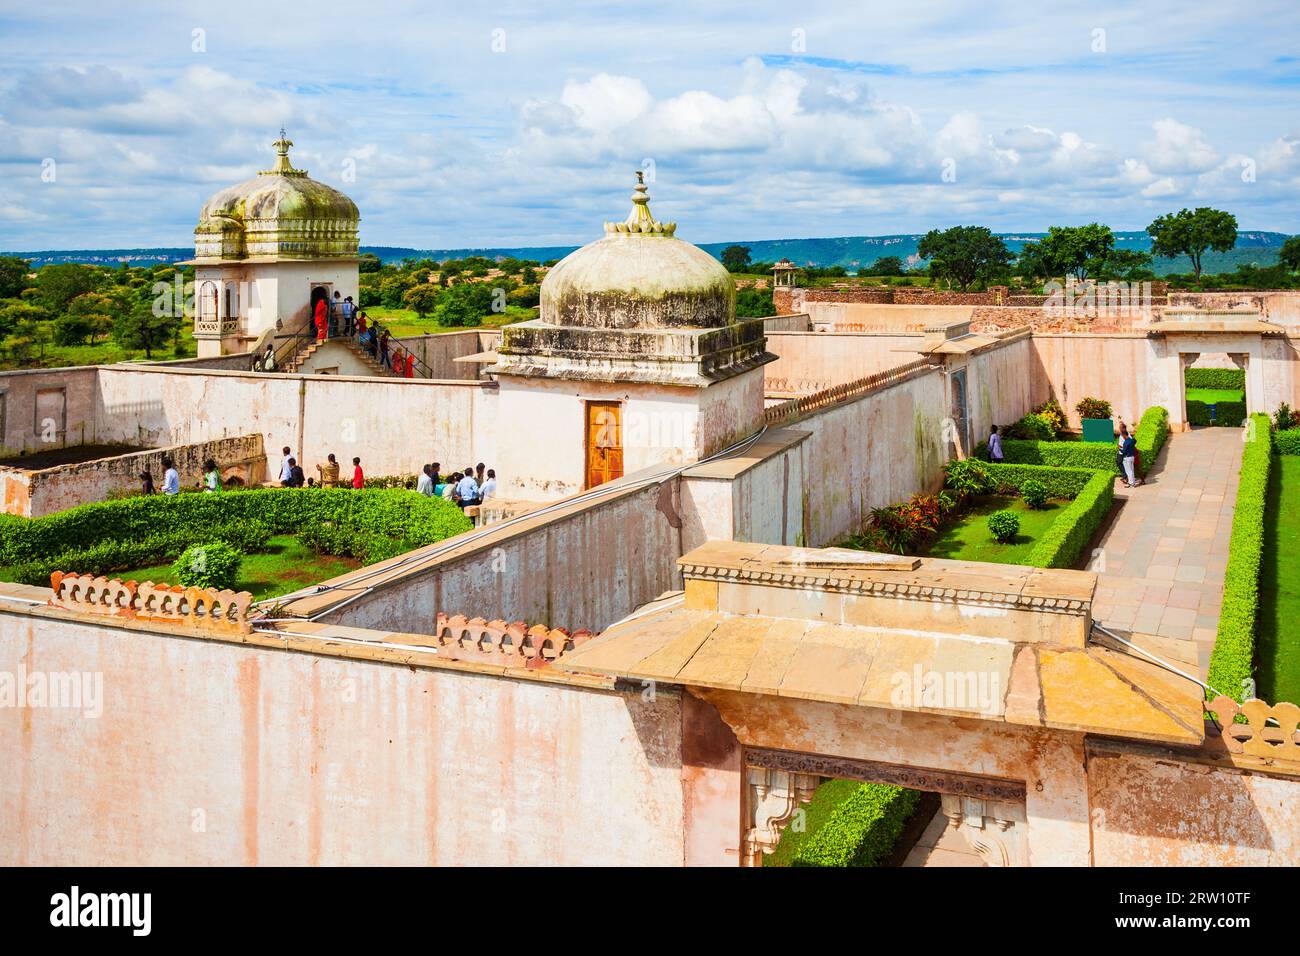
395,348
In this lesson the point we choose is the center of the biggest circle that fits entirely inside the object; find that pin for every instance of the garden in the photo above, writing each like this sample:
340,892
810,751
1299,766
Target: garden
1215,396
269,541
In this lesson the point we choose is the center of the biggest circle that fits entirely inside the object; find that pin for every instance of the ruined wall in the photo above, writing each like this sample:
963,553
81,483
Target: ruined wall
394,426
811,361
582,566
1153,810
66,486
58,421
216,754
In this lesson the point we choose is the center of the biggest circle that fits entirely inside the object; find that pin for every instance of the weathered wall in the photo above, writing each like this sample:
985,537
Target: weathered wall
66,486
811,361
22,429
1124,369
210,753
1152,810
1281,306
439,351
1000,382
394,426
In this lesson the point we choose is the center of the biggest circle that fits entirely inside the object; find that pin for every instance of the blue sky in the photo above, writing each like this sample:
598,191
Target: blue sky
521,124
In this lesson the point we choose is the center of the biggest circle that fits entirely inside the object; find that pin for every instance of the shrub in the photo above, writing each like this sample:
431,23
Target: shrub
1215,378
1093,408
1152,431
967,477
1062,544
1004,525
1098,455
862,830
1232,660
1060,482
1035,493
211,565
1287,442
1052,413
1226,414
1283,418
1033,427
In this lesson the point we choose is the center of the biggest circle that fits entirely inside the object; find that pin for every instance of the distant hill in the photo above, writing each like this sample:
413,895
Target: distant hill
852,252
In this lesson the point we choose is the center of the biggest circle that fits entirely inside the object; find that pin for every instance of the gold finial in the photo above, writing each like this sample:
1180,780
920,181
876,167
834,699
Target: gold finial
282,165
640,220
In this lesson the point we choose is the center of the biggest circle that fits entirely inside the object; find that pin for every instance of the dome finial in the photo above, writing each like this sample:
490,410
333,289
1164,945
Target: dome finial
282,165
640,220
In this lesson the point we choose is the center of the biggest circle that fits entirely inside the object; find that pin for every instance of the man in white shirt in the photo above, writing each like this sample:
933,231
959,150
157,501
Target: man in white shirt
489,487
171,478
425,484
286,472
467,489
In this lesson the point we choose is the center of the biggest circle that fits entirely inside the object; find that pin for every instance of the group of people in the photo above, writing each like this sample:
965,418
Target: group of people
172,478
472,486
1126,454
342,317
292,476
333,317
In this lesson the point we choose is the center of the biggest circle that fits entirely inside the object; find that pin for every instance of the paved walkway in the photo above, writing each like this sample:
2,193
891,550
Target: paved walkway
1163,557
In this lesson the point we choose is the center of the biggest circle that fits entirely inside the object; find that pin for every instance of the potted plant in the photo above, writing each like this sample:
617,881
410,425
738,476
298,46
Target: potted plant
1097,422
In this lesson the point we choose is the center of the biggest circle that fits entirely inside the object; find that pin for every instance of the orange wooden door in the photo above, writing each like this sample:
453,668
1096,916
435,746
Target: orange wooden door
604,442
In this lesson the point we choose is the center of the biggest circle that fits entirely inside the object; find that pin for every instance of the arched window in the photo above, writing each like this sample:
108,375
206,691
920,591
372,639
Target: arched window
232,300
208,301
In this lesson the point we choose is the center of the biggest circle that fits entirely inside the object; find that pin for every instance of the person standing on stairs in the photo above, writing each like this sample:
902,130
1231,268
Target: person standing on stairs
322,320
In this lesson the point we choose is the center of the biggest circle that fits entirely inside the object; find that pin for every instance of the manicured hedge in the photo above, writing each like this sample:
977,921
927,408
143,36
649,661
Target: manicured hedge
1151,434
1287,442
1215,378
860,830
1099,455
1093,491
140,531
1232,660
1226,414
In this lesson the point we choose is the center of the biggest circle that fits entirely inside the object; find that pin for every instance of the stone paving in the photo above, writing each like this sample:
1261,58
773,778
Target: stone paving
1162,560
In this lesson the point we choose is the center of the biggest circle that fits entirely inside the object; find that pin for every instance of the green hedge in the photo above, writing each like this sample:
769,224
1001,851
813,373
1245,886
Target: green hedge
1232,660
1215,378
1093,491
847,824
140,531
1096,455
1151,434
1287,442
1226,414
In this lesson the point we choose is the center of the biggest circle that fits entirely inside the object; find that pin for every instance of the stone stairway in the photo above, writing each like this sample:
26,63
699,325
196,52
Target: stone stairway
302,355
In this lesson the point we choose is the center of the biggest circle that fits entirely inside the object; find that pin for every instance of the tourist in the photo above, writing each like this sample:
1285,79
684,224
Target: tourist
1128,457
995,446
349,317
329,472
383,348
285,465
410,365
358,476
268,360
478,473
425,485
489,488
436,472
467,490
322,320
211,477
146,483
336,313
296,478
171,478
448,489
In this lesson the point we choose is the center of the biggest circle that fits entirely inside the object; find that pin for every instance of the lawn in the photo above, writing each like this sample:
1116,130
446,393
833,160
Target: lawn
1277,638
286,565
1211,396
404,322
967,538
104,352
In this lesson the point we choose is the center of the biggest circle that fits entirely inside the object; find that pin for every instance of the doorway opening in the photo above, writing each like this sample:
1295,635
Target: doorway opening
1214,388
604,441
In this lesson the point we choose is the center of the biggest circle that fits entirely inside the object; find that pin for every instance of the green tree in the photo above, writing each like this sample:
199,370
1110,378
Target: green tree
141,327
96,312
13,314
964,254
1076,249
59,284
464,304
369,262
13,276
884,266
1289,254
1127,265
754,303
393,289
422,299
736,258
1031,262
1191,233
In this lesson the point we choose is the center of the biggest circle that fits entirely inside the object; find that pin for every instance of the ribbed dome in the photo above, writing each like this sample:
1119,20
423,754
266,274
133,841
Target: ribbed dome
639,276
280,212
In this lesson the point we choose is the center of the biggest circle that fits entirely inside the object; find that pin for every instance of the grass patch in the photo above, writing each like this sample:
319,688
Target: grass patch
286,565
1277,640
404,323
1212,396
967,537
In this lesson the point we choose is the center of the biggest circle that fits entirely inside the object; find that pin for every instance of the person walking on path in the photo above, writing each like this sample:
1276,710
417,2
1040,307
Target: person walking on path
995,446
171,478
1128,457
358,476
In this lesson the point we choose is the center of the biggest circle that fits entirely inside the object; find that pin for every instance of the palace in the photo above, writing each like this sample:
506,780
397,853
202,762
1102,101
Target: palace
662,641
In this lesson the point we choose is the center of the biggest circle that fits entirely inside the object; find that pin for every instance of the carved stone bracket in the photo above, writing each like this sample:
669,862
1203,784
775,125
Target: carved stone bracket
995,831
772,798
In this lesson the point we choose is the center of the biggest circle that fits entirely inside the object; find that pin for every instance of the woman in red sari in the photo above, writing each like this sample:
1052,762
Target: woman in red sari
322,320
410,365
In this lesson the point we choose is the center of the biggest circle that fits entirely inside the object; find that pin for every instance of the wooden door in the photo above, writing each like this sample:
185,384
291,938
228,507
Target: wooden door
604,442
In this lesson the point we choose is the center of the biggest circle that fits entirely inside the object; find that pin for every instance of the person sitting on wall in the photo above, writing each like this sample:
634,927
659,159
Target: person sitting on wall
467,490
329,472
211,477
358,476
171,478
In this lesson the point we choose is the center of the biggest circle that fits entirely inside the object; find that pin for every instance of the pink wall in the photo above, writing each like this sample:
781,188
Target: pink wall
811,361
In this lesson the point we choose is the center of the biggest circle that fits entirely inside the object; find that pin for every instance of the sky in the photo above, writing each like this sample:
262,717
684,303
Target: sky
477,124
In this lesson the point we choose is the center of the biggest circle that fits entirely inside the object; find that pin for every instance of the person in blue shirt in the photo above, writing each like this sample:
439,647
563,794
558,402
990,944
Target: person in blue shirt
1128,457
467,490
171,478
